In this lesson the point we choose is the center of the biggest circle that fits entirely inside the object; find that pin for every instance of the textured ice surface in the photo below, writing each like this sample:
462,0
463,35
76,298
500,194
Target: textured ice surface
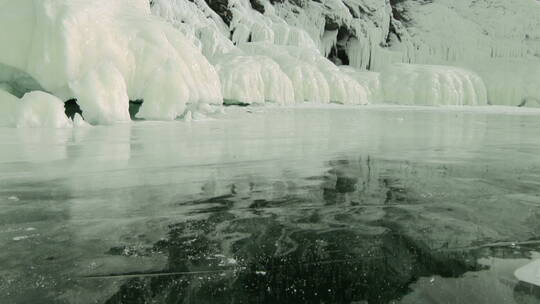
413,195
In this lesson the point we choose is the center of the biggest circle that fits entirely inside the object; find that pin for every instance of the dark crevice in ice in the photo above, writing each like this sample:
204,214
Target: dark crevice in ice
232,102
134,106
338,53
71,107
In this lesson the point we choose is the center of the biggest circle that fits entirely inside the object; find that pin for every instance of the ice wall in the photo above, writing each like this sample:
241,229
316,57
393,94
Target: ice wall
179,56
260,48
104,53
497,39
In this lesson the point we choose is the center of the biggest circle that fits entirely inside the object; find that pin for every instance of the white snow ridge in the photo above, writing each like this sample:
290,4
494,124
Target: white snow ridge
180,56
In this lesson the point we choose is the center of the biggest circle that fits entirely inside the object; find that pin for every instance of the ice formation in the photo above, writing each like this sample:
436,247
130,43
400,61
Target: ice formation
497,39
369,80
104,53
432,85
40,109
265,59
179,56
35,109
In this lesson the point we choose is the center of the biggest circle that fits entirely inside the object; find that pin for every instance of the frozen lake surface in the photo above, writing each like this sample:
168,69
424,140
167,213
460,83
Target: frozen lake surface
275,205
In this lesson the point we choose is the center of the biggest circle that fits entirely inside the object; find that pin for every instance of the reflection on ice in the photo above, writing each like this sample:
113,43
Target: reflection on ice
292,205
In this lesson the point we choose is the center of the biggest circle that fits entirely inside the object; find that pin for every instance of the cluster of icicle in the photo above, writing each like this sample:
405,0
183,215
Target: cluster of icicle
180,57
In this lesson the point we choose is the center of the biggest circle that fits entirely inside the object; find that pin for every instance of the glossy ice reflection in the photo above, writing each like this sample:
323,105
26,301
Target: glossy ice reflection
346,205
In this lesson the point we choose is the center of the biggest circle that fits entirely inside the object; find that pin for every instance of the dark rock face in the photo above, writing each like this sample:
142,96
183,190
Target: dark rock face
332,23
256,5
221,7
338,54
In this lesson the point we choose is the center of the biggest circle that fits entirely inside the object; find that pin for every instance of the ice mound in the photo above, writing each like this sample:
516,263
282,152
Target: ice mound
78,121
432,85
35,109
254,79
40,109
314,78
104,53
369,80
